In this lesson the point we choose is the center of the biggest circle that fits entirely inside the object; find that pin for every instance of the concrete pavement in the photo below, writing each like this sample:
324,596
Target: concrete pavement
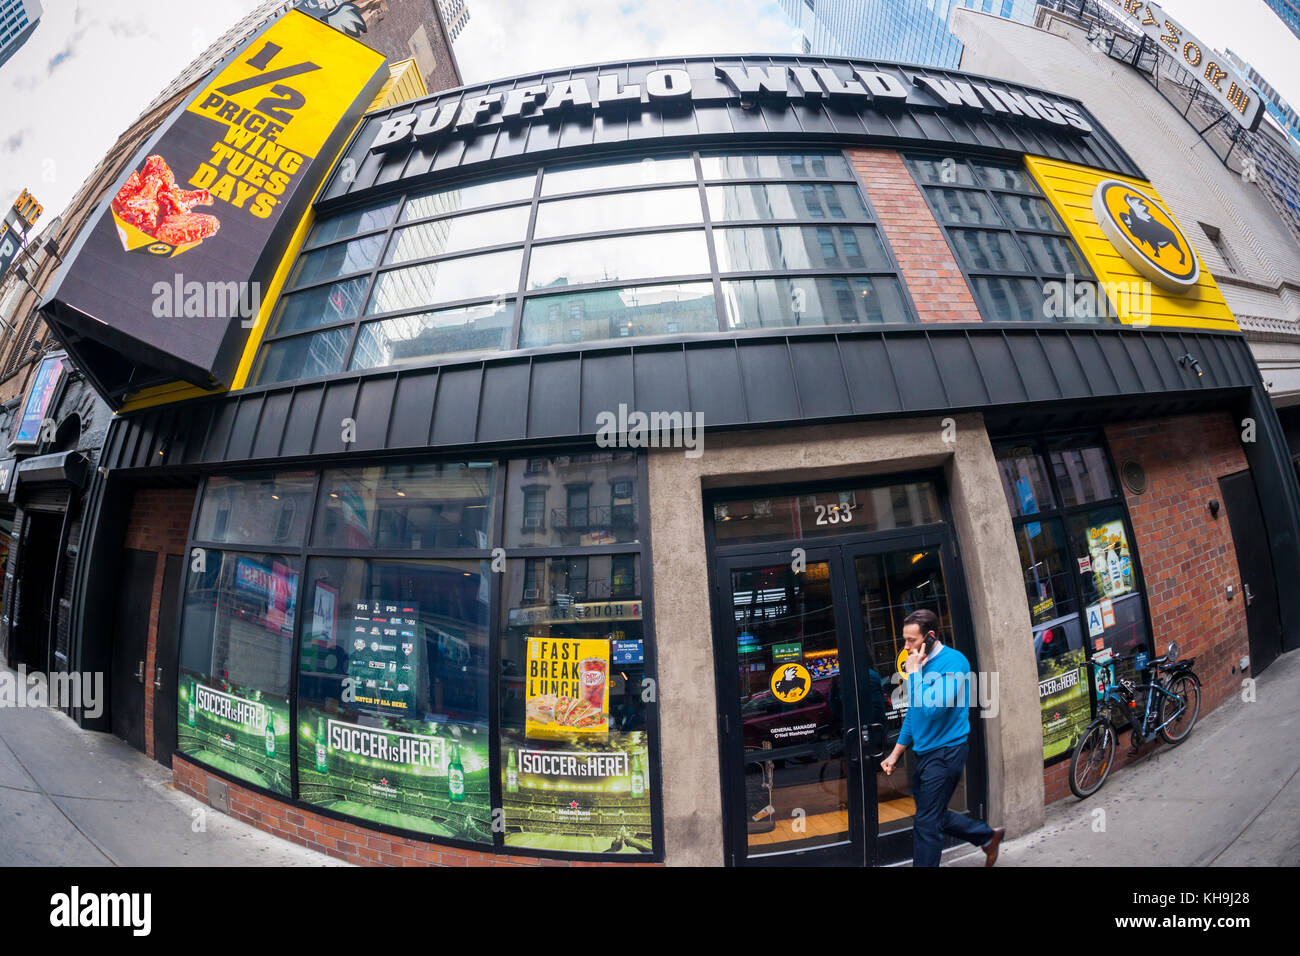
1227,796
71,797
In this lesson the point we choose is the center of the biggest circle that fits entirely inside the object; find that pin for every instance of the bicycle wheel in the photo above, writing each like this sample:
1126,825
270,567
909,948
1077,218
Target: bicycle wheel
1187,686
1092,759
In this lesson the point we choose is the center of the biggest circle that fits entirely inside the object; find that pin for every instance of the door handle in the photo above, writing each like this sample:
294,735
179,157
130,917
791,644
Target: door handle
866,736
139,671
157,679
1249,597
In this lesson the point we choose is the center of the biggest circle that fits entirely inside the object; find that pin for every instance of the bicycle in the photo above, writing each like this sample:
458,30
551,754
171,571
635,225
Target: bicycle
1173,702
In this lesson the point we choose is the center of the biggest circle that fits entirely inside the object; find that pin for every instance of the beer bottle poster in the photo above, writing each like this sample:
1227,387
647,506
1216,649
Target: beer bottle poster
418,775
234,728
567,687
580,795
1063,699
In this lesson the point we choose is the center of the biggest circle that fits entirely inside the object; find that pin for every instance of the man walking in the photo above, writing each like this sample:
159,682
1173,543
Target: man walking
937,727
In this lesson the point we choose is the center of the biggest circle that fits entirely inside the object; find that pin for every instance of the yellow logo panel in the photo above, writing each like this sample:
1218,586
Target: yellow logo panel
791,683
1168,285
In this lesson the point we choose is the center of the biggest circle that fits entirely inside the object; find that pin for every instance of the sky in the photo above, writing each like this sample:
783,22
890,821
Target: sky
90,68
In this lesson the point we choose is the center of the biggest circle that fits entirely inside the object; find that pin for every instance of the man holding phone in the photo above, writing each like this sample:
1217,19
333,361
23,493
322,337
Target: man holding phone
937,727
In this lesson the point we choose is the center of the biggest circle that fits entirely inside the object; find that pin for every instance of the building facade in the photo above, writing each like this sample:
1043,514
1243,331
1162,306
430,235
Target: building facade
905,31
1288,12
18,20
602,427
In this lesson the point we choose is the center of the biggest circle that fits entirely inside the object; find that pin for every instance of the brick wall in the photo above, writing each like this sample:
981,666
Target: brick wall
1187,556
159,522
346,841
934,279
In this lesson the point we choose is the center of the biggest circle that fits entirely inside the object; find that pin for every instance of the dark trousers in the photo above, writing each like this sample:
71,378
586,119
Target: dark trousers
934,780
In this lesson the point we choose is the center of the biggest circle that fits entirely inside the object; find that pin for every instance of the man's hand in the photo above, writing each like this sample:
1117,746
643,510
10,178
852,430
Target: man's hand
914,661
887,764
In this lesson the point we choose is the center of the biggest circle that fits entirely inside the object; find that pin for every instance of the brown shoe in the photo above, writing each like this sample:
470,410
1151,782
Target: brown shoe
991,848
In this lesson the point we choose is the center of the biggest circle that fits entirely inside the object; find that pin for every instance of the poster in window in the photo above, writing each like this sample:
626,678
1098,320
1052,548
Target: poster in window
238,729
566,687
384,657
1063,699
1111,563
418,775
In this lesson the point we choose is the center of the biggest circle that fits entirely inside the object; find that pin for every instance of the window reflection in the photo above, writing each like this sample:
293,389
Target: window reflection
777,248
619,313
657,207
438,237
572,500
304,356
767,165
764,201
265,509
442,202
375,216
611,175
322,305
336,260
796,301
446,281
984,251
1010,300
416,338
620,257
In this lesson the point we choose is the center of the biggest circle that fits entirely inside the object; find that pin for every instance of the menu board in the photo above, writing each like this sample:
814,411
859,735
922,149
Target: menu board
1063,699
238,729
418,775
566,687
384,657
580,795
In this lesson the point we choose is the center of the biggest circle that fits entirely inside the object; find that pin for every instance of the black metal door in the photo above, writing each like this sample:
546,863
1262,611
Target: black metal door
164,679
1255,561
130,640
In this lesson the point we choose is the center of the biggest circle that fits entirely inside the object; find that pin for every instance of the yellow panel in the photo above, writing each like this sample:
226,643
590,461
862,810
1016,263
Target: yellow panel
404,84
1069,189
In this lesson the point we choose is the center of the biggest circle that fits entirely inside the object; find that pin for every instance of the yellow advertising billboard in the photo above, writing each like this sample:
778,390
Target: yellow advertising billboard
567,687
1138,251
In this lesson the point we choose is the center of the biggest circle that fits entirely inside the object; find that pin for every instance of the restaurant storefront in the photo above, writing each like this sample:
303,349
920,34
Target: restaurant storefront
865,352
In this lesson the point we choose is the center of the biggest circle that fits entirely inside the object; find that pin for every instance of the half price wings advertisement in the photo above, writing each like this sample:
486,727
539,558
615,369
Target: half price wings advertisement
567,687
212,199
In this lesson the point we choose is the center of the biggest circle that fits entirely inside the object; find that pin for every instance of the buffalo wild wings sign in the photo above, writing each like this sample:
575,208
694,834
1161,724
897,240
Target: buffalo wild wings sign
212,198
749,85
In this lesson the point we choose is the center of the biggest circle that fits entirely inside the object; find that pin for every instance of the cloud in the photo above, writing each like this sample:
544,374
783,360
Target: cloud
14,141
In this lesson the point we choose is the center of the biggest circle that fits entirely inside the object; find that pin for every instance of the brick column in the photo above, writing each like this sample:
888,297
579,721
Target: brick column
934,279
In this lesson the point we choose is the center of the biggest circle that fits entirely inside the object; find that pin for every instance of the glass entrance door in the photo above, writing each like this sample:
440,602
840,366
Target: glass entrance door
812,693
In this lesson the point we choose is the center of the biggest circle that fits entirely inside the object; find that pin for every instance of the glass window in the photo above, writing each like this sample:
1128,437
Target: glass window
423,506
853,510
808,301
304,356
322,305
442,202
1047,568
766,165
446,281
619,313
1004,177
236,651
268,509
981,250
359,255
592,498
778,248
1024,480
574,752
1054,256
496,227
964,206
1027,212
1010,300
419,338
1082,473
621,257
648,171
375,216
942,171
610,211
393,694
785,201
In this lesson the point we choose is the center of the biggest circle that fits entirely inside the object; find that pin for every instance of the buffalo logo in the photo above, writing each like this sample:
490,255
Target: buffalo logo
1145,235
790,683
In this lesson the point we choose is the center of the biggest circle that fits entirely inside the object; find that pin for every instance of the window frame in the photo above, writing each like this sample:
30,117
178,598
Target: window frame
517,299
991,195
637,552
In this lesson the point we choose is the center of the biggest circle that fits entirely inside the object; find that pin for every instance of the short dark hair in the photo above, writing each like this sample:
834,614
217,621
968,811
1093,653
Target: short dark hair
923,618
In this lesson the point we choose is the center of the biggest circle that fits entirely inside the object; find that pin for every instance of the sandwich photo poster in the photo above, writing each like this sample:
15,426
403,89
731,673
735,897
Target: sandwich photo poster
570,783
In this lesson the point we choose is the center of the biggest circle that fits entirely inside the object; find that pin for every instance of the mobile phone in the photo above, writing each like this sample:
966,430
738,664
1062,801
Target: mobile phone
929,643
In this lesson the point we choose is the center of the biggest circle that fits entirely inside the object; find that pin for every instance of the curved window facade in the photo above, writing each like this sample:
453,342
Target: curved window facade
668,244
1021,263
353,640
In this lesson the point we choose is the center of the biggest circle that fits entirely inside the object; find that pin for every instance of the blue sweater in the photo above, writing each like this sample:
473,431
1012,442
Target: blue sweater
938,698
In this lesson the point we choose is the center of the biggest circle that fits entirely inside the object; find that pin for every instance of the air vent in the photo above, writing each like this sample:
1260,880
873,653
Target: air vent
1134,476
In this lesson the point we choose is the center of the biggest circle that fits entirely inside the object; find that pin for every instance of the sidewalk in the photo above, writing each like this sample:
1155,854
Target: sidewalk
70,797
1228,796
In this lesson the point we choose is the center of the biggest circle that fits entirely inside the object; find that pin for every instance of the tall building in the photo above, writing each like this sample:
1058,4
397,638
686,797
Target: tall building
455,14
907,31
1288,11
18,18
1278,108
